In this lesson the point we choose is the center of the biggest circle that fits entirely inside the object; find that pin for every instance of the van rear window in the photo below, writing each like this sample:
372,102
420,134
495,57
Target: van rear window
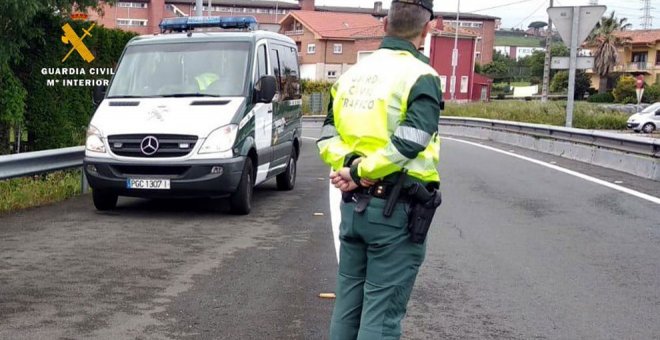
214,69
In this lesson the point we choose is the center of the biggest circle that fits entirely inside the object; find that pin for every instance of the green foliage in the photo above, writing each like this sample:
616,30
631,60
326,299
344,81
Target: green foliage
57,116
12,105
312,86
560,83
18,18
586,115
651,94
606,97
624,91
478,68
33,191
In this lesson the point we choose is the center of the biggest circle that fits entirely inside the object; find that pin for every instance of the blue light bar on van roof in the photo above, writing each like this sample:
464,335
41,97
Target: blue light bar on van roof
181,24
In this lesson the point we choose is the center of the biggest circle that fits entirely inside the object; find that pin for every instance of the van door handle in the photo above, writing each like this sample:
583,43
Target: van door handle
270,111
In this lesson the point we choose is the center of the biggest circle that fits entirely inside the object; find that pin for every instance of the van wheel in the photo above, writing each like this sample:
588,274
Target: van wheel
287,180
104,200
648,128
240,202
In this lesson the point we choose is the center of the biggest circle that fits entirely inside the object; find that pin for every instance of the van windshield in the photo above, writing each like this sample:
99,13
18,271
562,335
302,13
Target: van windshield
214,69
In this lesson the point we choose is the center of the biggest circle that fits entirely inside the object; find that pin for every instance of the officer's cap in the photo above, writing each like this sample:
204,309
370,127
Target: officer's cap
426,4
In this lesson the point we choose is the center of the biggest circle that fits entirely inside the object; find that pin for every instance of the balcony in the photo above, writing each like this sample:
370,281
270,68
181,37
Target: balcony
640,67
294,32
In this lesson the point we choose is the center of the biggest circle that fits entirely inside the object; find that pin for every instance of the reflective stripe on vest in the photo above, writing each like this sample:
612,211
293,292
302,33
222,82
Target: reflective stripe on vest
370,101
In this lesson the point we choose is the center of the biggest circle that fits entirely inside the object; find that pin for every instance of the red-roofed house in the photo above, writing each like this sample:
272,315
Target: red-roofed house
330,43
639,55
469,86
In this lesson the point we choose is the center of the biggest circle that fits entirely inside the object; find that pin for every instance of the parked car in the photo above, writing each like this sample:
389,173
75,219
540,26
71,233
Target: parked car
647,120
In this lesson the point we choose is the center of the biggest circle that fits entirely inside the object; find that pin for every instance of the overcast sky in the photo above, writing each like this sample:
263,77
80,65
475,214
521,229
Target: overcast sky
519,13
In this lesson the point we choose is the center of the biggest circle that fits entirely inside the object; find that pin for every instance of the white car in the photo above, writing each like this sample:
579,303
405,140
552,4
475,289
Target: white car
647,121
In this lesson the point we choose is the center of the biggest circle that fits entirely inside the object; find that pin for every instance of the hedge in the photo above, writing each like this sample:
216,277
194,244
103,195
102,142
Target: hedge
57,116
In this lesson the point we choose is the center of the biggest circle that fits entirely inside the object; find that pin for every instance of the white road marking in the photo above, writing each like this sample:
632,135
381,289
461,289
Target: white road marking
335,213
635,193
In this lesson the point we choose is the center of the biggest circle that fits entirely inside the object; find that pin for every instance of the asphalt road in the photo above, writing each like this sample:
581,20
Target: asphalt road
517,251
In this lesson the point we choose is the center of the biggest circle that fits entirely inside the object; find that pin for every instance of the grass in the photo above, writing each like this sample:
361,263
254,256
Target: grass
25,192
520,84
585,115
518,41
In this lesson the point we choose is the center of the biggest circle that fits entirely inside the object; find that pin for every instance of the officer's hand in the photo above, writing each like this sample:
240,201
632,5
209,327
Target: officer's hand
342,180
367,182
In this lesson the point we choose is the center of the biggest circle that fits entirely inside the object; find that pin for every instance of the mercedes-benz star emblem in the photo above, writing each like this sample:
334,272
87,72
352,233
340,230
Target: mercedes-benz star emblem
149,145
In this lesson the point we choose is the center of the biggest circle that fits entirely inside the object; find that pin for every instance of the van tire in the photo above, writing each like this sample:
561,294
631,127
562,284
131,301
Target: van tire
648,128
287,180
240,202
104,200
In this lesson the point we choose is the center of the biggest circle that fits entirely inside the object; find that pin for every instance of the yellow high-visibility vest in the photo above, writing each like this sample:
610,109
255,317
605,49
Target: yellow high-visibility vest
370,101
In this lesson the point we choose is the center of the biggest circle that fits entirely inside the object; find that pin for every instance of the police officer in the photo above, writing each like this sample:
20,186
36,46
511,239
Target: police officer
382,121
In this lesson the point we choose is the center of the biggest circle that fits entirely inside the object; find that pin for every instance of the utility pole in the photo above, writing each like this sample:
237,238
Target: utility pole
454,54
647,18
548,56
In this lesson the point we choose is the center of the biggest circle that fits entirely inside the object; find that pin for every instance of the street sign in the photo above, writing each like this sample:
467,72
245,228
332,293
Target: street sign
562,18
562,63
574,25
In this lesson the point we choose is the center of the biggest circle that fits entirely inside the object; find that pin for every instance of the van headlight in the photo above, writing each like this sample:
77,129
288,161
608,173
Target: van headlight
94,141
220,140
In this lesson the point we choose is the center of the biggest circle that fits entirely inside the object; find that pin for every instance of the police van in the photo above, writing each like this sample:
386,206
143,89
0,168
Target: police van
197,114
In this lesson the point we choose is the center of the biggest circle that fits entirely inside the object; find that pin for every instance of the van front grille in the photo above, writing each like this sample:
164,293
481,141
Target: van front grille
141,170
160,145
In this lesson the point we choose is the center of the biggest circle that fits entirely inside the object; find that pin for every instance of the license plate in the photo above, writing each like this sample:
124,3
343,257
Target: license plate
148,184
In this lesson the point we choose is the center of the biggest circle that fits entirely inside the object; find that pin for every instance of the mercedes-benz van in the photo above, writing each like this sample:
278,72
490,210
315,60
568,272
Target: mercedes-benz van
197,114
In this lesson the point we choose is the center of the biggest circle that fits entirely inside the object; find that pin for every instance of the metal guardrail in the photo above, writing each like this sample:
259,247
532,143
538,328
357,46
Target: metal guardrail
649,147
32,163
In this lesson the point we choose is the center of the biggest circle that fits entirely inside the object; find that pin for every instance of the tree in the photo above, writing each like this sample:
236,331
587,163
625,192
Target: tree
624,91
537,25
499,69
604,40
536,61
560,83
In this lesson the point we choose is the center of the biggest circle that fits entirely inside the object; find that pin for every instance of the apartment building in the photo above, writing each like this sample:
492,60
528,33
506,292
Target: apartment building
639,55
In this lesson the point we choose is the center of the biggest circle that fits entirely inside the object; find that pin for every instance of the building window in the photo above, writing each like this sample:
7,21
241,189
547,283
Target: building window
250,10
131,22
464,84
337,49
477,56
332,74
262,10
311,48
132,4
443,84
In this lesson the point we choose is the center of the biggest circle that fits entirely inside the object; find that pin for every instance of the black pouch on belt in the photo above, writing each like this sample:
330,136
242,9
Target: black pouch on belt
422,210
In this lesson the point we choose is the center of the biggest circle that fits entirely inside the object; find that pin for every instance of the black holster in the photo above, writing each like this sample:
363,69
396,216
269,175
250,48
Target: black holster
422,210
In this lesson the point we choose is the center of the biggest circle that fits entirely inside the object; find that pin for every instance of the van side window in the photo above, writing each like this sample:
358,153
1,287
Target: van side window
275,66
289,78
262,65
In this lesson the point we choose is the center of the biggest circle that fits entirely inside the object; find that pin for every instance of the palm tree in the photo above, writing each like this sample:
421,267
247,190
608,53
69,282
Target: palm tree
605,42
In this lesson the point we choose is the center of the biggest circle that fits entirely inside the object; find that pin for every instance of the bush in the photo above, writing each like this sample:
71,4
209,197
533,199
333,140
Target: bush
312,86
651,94
560,83
606,97
586,115
624,91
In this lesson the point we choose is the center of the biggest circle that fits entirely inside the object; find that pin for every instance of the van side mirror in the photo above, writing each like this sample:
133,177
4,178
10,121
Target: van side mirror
98,94
265,89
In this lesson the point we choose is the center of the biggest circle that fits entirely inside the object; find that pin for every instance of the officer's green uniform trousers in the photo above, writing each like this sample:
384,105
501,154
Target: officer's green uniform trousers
377,269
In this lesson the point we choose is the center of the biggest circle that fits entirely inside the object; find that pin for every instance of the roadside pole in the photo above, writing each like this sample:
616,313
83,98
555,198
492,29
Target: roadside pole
546,63
572,67
454,54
